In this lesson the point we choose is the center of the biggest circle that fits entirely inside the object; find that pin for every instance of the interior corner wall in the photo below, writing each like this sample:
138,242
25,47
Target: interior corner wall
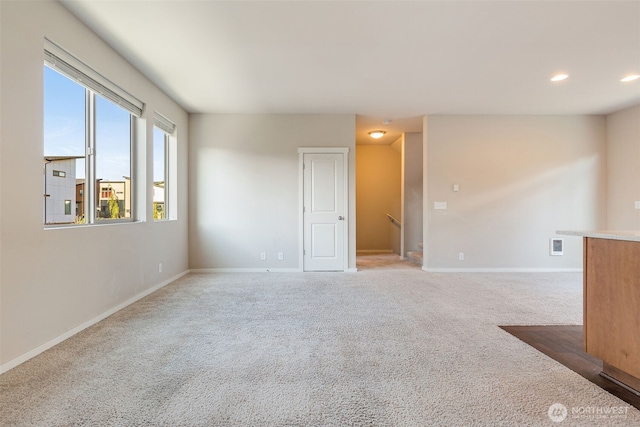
378,194
520,179
623,171
412,191
56,281
244,192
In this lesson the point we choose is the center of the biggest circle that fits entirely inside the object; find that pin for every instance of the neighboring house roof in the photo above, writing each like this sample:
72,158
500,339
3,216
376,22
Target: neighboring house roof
54,158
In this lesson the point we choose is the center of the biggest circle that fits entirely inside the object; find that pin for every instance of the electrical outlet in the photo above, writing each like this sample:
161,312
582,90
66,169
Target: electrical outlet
280,256
159,268
461,256
263,256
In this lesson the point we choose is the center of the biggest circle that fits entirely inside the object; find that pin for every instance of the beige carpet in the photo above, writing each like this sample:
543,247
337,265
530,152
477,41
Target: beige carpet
386,346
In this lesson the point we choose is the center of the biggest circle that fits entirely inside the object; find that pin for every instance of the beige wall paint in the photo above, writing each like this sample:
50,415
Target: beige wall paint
57,280
397,237
378,193
623,160
244,188
521,178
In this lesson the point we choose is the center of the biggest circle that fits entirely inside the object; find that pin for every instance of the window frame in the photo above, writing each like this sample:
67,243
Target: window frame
168,130
69,66
91,202
167,185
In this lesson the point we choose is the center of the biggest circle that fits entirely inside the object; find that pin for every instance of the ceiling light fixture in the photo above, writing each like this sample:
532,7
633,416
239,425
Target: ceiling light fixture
559,77
377,134
630,78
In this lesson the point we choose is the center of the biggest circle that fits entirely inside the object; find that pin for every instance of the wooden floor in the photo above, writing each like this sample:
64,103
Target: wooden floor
563,343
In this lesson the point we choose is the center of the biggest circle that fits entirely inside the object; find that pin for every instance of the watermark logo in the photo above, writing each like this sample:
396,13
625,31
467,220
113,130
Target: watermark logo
557,412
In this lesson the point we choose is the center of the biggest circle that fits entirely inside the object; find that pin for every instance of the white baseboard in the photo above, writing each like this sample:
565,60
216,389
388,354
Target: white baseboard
373,251
245,270
502,270
57,340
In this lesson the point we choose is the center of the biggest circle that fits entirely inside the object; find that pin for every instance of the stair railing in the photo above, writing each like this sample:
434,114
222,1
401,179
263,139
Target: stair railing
394,220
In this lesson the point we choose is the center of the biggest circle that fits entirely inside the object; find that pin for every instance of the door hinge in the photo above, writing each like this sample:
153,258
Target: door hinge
304,252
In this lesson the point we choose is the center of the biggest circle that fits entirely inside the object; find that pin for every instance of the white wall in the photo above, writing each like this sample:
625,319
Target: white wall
54,281
412,191
521,178
623,166
244,191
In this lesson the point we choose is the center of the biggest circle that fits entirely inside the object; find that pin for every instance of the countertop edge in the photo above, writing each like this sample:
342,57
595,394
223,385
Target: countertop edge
628,235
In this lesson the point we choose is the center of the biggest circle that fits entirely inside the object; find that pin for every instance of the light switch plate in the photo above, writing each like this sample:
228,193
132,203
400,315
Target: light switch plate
439,205
637,204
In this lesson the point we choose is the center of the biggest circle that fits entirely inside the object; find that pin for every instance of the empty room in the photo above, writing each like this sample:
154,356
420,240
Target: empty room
319,213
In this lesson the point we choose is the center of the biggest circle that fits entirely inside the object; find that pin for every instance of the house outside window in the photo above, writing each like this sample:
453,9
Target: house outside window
59,187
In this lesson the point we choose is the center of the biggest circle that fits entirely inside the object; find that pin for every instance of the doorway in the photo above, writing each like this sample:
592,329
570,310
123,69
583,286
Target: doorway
378,199
389,199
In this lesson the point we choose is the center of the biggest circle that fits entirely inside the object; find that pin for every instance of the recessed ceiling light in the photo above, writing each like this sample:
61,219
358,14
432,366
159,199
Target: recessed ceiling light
630,78
377,134
559,77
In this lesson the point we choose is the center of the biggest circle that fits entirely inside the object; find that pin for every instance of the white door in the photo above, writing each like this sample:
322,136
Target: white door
324,212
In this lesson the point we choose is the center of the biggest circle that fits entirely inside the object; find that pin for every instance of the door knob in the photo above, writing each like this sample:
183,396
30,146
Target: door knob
341,218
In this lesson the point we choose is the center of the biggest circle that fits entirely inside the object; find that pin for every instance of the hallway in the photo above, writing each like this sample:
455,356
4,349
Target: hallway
383,261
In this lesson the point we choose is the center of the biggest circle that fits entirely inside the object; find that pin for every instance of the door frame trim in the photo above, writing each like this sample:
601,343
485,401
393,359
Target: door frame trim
345,157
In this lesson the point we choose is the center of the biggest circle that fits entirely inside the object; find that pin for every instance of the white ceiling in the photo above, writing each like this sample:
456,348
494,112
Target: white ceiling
379,59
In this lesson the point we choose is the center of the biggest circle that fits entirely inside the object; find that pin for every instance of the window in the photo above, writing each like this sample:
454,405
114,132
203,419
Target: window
159,173
88,143
162,131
